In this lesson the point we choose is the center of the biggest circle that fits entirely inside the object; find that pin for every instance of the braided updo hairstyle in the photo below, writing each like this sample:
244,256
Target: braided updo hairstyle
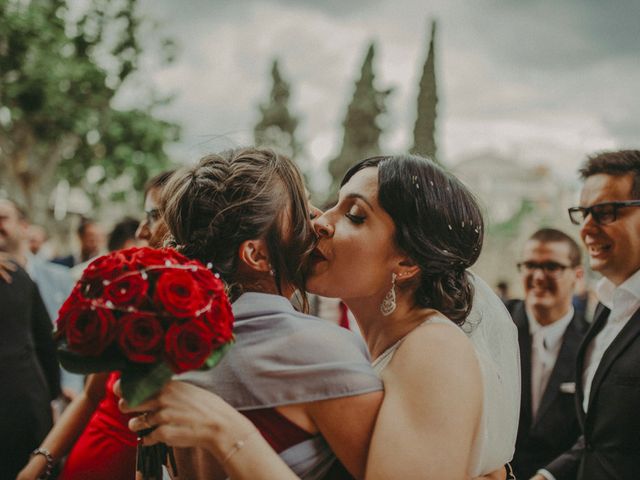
239,195
438,225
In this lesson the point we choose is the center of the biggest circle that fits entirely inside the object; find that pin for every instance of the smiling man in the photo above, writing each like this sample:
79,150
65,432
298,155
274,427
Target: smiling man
608,361
549,333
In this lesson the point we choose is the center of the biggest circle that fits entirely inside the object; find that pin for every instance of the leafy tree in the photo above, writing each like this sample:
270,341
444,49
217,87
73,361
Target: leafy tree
60,70
424,139
361,130
277,126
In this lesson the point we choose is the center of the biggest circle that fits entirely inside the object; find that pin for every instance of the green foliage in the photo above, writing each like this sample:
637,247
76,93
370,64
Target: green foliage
130,144
215,357
59,72
139,383
277,126
424,141
361,130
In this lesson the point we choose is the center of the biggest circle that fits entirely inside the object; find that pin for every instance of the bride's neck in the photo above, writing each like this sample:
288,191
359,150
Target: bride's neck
381,332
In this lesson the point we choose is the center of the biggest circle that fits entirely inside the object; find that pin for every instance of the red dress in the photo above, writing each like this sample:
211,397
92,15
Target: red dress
106,450
280,432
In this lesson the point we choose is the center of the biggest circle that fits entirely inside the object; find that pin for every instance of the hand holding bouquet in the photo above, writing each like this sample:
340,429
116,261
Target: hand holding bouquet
149,314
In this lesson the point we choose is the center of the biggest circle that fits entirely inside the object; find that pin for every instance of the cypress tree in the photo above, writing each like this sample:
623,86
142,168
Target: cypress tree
361,130
276,128
424,139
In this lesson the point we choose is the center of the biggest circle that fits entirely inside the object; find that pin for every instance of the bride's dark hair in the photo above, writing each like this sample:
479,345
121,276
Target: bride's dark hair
438,224
239,195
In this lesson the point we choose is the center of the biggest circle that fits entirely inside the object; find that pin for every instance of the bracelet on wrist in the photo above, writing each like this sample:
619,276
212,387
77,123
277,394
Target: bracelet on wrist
47,455
238,446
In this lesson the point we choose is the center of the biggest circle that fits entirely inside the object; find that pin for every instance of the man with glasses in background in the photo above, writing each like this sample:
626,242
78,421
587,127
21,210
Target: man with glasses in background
549,333
608,361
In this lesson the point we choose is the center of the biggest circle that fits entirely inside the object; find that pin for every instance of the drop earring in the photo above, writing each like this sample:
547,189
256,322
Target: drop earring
388,305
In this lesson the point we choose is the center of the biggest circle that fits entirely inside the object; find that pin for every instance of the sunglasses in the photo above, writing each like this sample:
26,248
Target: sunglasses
602,213
548,268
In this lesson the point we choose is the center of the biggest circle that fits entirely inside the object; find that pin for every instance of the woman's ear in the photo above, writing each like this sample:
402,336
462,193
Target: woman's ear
255,255
407,269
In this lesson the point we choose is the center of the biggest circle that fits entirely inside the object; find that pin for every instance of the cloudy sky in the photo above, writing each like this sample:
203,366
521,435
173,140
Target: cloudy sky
538,81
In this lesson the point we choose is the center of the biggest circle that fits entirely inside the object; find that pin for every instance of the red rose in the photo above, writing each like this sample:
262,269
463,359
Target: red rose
178,293
187,346
219,320
141,337
89,331
147,257
103,269
127,291
130,252
209,284
73,300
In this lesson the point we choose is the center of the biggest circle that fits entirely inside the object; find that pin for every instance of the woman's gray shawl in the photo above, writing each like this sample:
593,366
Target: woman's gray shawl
283,357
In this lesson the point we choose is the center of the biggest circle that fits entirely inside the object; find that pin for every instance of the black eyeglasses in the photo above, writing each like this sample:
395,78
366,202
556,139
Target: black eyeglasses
548,268
602,213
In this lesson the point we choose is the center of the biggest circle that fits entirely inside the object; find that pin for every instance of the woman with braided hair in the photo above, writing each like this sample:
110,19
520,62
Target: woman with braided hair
299,379
395,248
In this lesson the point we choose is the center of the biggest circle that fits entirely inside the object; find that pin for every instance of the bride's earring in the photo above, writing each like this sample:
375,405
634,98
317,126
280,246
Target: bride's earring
388,304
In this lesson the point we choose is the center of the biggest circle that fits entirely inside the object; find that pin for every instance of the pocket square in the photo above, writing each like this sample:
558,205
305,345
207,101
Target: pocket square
568,387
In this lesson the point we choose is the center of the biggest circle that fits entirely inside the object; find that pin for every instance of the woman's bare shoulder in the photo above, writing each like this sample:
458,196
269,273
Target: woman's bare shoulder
434,350
437,334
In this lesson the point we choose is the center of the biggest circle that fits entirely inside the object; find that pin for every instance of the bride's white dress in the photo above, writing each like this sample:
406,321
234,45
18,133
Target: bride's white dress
495,338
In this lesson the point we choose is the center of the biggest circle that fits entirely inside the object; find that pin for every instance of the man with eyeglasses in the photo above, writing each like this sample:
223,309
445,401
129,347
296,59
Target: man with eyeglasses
608,361
549,333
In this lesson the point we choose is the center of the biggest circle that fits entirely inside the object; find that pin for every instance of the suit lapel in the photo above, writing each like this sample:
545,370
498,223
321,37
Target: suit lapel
524,339
563,367
630,331
600,319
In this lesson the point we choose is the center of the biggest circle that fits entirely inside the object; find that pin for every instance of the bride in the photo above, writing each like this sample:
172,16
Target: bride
396,249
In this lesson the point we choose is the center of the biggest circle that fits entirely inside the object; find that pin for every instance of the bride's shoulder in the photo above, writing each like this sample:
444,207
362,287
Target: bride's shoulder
438,344
437,329
434,357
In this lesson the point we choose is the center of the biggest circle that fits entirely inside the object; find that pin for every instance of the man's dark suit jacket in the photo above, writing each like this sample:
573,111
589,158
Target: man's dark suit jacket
609,447
29,372
555,428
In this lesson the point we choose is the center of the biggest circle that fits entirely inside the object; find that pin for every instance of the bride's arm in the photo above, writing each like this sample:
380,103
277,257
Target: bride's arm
431,409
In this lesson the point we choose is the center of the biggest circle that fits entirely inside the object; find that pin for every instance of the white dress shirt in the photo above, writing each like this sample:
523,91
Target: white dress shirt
546,341
623,301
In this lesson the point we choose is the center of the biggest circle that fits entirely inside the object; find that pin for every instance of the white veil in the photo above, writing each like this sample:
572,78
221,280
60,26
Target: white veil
495,338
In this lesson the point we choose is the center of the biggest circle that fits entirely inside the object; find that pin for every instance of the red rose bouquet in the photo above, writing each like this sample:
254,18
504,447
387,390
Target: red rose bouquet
148,313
